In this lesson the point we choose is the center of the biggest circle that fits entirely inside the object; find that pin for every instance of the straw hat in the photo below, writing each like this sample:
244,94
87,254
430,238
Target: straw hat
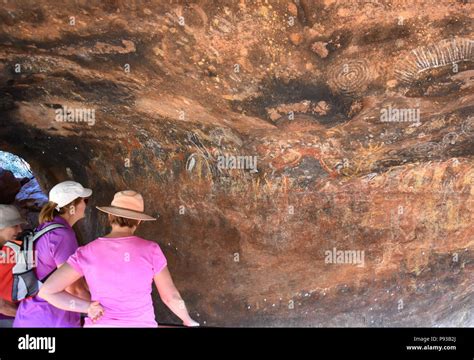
127,204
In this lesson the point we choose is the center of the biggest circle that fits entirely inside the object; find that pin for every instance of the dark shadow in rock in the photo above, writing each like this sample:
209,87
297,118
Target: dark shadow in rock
276,92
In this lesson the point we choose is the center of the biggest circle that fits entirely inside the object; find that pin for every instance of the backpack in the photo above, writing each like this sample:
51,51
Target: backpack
18,279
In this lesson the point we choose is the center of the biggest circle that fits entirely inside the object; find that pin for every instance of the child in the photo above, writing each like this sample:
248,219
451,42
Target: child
10,221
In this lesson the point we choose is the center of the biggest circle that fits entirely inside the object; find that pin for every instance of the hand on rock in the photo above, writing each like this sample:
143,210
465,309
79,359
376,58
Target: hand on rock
191,323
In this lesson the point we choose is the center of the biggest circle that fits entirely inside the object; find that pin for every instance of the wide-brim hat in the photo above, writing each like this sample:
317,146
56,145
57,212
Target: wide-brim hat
127,204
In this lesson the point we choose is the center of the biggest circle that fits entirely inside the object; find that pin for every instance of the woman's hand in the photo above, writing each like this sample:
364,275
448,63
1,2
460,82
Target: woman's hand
8,308
171,297
190,323
95,311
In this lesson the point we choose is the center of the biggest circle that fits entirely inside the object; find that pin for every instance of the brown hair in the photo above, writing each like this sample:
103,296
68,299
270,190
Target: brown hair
120,221
48,211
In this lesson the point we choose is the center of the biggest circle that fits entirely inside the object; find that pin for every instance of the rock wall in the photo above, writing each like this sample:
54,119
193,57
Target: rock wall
359,116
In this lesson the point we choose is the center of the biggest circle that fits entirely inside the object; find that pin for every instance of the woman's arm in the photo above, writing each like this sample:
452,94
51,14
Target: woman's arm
171,297
54,292
79,288
8,308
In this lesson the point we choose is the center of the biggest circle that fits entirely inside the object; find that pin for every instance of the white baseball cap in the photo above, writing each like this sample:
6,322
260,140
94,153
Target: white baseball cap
10,216
66,192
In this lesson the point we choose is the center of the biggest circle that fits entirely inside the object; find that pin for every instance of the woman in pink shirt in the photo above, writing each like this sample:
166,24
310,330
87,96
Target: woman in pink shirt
119,269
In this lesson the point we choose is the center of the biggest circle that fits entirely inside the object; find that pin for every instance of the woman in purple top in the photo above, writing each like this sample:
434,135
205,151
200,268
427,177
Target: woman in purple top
67,203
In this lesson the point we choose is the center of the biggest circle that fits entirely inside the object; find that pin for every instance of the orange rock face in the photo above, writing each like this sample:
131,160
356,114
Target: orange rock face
359,211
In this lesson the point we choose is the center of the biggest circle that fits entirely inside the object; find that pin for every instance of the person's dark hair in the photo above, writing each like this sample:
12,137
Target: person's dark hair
48,211
120,221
